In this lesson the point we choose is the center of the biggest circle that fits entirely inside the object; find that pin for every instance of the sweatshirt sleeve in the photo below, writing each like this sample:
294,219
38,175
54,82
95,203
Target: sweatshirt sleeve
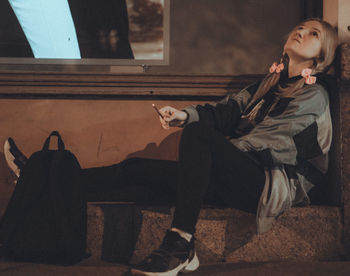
225,114
301,132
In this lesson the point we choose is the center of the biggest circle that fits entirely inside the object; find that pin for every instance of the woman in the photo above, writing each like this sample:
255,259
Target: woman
280,133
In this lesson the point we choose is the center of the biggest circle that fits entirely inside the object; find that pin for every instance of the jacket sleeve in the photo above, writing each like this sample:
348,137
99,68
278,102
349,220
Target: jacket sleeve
225,114
301,132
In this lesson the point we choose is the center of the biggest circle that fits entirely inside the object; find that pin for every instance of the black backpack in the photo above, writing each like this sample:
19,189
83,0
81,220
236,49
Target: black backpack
46,217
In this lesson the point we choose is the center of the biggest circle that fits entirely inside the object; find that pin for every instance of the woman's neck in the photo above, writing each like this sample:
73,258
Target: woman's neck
295,67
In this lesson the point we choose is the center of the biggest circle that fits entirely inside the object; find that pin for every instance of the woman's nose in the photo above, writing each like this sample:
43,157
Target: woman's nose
300,33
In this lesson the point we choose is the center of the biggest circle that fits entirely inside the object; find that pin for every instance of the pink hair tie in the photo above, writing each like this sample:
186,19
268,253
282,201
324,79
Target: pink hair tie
306,74
276,67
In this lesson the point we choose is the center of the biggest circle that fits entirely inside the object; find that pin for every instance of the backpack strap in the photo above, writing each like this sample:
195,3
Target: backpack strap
60,143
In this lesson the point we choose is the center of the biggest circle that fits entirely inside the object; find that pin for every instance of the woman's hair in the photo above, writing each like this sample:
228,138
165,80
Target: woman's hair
329,42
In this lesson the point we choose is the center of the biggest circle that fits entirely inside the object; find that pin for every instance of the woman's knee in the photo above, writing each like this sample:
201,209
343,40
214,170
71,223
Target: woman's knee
195,129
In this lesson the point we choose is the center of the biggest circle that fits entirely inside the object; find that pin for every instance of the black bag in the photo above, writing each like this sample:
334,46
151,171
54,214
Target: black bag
46,218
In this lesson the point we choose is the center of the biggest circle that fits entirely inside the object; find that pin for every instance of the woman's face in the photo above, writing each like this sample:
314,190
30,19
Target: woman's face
304,42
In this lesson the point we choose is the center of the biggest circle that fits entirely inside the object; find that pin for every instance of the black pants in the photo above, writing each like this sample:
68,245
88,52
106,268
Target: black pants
210,170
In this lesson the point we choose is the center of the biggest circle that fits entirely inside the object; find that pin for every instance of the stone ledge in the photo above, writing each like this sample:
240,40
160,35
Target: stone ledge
127,233
345,61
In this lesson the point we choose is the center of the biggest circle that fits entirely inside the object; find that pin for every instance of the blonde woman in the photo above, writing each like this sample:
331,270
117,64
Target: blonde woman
280,133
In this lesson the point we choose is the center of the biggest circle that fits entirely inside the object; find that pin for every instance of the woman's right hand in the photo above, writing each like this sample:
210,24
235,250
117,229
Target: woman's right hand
172,117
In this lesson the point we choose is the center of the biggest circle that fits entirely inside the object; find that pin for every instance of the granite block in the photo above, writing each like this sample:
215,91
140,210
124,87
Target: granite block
222,235
345,61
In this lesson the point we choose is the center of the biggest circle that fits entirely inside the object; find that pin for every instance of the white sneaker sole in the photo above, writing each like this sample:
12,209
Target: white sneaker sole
10,159
192,266
186,267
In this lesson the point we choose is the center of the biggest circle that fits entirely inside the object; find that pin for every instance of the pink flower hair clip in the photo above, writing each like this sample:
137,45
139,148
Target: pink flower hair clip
276,67
306,74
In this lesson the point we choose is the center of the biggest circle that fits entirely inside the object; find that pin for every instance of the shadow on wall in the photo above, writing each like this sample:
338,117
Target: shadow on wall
167,149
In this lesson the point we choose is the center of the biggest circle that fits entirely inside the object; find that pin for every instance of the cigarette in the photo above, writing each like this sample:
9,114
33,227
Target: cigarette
156,109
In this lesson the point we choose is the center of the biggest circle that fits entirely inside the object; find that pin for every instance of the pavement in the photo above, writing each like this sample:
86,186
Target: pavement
86,268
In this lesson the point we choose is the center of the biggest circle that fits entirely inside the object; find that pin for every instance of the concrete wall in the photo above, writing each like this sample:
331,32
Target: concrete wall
345,141
99,132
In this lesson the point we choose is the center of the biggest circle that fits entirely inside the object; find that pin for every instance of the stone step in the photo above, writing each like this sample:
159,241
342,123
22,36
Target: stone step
87,268
290,268
127,232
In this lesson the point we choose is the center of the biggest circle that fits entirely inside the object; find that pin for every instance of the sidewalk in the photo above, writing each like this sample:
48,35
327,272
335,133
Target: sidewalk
223,269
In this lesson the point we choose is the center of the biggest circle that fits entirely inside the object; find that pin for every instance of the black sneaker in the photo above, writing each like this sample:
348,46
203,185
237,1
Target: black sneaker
173,256
14,157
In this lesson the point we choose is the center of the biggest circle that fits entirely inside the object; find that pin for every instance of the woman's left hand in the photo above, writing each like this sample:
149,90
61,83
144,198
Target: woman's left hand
172,117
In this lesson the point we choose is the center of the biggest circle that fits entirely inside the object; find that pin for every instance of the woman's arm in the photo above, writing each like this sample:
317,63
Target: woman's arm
225,114
301,132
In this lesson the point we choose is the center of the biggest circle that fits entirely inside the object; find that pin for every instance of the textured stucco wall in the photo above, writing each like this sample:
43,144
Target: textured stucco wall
99,132
345,140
